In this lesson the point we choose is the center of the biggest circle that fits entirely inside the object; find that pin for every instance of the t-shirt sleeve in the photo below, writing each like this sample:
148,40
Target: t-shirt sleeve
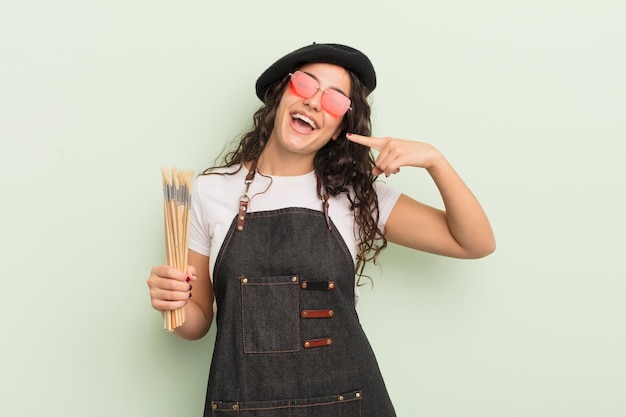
387,198
199,236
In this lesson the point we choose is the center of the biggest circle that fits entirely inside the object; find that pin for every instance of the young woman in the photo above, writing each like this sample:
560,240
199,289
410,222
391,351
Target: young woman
282,229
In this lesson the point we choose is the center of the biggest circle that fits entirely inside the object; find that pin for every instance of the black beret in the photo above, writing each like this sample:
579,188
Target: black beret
328,53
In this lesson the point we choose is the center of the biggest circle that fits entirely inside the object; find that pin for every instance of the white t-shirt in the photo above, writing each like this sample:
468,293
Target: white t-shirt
215,203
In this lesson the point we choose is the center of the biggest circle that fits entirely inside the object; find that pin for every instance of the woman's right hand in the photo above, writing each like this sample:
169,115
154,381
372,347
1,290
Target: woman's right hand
170,288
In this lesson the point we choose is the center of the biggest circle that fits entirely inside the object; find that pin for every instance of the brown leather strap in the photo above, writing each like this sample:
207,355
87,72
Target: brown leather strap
324,198
317,314
243,210
251,172
313,343
245,199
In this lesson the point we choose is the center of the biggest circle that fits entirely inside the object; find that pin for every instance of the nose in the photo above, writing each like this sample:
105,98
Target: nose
315,101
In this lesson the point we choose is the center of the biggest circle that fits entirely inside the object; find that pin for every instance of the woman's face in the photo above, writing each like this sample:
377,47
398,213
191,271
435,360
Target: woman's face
302,125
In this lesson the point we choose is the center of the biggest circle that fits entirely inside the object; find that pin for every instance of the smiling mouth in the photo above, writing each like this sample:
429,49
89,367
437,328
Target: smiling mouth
303,121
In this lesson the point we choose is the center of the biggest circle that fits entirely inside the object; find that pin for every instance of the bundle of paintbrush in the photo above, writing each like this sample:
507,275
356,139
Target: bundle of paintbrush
177,200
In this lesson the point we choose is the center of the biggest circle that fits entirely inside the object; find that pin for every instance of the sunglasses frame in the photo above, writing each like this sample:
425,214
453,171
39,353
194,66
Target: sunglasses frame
298,91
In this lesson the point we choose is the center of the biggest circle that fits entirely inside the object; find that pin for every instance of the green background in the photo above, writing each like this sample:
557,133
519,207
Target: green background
527,99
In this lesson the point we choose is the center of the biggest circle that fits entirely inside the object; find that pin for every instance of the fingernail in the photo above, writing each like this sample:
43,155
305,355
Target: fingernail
190,287
186,302
348,134
188,279
189,295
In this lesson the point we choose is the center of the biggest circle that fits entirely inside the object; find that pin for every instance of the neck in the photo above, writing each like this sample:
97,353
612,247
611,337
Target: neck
284,164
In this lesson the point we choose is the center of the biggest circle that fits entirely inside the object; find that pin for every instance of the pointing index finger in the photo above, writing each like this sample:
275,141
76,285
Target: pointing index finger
370,141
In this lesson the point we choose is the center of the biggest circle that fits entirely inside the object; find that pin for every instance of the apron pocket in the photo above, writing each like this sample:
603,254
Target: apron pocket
270,316
340,405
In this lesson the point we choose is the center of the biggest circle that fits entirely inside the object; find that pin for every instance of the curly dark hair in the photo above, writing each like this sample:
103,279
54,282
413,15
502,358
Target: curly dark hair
341,164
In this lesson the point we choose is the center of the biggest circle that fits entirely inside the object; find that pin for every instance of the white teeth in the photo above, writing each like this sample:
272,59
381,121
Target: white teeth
305,119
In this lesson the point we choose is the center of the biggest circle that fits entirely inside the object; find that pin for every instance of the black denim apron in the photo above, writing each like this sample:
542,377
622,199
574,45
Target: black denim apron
289,342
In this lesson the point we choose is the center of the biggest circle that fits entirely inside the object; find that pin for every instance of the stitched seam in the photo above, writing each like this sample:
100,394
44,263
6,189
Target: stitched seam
289,406
243,324
280,212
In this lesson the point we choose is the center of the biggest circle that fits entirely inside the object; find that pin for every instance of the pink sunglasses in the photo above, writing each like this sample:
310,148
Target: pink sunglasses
306,86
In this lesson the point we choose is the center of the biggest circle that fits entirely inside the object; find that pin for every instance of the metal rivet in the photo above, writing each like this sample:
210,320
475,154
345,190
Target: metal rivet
294,279
214,406
244,280
303,285
341,398
331,285
329,341
358,395
241,217
331,313
304,314
243,208
239,227
307,344
235,406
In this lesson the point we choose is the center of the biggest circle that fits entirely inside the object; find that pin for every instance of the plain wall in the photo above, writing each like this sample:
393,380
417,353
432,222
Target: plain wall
527,99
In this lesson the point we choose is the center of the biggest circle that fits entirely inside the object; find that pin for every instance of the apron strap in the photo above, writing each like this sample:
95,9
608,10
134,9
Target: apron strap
245,198
324,198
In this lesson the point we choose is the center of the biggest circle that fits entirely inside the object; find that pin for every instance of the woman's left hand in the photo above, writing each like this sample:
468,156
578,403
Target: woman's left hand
395,153
461,231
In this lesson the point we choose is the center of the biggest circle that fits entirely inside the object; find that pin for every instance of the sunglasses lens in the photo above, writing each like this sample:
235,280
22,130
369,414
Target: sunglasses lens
335,103
303,84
